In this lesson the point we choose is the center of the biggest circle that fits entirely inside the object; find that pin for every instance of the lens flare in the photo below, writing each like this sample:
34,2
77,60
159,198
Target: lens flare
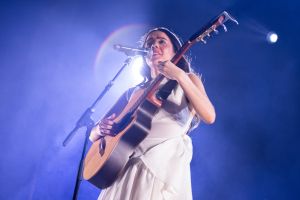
136,66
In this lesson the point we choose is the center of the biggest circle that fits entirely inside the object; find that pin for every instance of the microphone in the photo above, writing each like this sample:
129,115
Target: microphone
129,51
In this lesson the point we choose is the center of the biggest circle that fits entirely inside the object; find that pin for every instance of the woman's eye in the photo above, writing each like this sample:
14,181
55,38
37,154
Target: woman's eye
163,42
149,44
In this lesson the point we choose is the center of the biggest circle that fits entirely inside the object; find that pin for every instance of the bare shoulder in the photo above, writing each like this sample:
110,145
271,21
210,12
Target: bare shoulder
196,79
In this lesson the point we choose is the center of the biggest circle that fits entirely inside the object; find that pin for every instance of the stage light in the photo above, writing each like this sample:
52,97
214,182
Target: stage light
136,65
272,37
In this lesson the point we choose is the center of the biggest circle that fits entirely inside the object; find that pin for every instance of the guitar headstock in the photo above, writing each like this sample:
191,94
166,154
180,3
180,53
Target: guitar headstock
212,27
200,35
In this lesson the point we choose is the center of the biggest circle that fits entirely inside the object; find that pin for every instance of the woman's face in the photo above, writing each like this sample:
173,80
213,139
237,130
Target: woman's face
161,48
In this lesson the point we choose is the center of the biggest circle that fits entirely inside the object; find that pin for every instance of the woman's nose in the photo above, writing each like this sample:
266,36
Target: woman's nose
154,45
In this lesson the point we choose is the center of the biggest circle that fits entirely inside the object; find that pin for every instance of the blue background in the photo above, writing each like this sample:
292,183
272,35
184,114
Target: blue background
48,78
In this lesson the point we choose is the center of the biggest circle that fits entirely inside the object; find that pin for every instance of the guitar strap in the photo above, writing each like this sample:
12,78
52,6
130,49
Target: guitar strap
166,90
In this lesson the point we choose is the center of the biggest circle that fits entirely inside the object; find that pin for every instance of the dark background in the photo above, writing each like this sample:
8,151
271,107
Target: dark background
48,78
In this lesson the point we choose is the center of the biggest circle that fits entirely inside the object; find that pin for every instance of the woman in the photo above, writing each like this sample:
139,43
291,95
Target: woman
160,165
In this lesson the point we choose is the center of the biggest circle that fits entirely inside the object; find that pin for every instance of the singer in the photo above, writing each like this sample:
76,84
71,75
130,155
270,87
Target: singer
159,168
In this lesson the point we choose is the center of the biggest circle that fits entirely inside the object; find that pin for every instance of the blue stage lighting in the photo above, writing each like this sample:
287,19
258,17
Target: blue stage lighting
272,37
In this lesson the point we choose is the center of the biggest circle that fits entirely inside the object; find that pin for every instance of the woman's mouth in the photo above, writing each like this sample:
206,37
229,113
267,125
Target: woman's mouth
155,54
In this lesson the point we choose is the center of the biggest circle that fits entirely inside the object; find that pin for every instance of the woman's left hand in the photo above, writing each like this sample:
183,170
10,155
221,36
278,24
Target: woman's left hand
169,69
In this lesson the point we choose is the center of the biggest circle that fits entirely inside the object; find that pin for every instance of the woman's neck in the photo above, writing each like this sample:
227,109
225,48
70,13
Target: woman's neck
154,73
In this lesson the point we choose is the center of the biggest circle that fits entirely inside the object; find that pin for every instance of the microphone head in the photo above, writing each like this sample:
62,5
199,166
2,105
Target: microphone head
129,51
117,46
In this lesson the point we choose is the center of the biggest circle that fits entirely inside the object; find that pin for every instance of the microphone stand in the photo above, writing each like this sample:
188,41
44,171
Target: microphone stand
86,121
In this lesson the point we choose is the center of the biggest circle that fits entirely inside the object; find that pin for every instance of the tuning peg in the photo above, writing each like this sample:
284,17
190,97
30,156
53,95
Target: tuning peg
225,28
216,31
202,40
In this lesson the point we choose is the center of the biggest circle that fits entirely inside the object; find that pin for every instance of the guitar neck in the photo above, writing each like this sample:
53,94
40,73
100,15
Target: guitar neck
199,36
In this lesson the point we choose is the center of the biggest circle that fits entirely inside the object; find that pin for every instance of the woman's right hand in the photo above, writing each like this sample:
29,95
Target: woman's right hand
102,128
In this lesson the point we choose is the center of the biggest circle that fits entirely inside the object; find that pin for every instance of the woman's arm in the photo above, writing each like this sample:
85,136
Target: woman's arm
195,92
193,89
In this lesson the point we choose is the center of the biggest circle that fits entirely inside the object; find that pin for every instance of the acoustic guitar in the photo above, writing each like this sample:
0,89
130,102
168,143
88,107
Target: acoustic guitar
107,156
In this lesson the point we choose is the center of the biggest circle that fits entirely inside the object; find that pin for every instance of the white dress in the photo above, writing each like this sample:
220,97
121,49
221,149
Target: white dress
160,166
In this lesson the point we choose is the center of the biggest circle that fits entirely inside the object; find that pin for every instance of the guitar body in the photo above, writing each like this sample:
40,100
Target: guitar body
103,170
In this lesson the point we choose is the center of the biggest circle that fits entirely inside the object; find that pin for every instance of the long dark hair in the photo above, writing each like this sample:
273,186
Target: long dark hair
183,63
